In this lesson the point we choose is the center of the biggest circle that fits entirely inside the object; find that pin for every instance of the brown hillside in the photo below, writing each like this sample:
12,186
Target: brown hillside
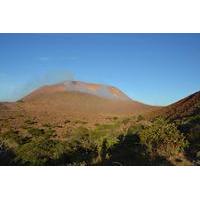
70,101
77,99
186,107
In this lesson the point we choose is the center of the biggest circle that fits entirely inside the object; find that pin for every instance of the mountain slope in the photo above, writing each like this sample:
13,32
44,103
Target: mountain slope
189,106
82,99
70,101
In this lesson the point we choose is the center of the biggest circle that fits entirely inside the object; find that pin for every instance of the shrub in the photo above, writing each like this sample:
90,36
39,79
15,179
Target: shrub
115,118
47,125
39,151
82,150
30,122
140,118
128,151
67,121
12,139
6,155
163,138
126,121
135,129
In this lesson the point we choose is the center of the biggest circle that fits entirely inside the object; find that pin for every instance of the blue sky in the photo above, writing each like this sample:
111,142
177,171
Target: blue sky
157,69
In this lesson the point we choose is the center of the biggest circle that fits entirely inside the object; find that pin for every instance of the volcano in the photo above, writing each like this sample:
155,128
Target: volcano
74,100
80,99
99,90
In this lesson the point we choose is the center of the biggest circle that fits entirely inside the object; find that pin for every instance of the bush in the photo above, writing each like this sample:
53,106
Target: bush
34,148
30,122
128,151
82,150
6,155
163,138
140,118
115,118
12,139
39,151
126,121
135,129
91,146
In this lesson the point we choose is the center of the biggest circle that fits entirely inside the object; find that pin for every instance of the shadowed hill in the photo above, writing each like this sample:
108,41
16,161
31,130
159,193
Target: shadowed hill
186,107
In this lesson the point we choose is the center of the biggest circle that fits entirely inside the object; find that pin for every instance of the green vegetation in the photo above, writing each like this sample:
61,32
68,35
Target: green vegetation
140,118
163,138
135,129
20,101
47,125
190,126
39,151
107,144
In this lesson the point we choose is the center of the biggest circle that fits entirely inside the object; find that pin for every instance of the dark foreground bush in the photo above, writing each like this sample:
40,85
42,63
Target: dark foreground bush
190,126
40,151
163,138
